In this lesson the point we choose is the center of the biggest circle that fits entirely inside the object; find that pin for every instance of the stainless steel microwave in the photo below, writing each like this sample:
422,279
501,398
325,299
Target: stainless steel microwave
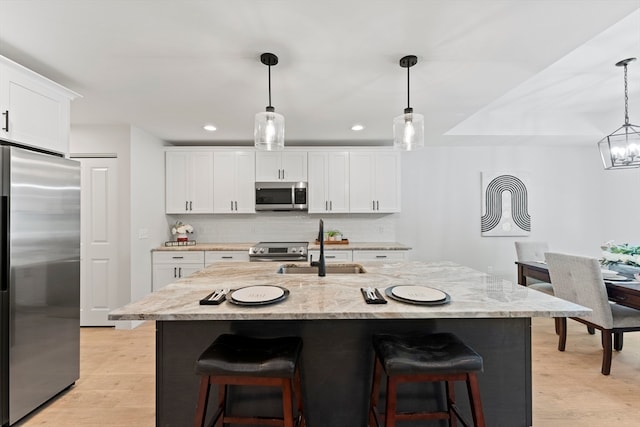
281,196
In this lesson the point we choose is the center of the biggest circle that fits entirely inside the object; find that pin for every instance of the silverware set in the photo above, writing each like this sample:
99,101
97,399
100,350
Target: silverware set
218,294
371,293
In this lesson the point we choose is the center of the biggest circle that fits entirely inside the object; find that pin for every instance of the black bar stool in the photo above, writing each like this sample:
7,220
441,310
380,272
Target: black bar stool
239,360
424,358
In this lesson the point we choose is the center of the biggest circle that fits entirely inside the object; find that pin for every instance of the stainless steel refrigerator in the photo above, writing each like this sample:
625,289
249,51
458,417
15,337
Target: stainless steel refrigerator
40,283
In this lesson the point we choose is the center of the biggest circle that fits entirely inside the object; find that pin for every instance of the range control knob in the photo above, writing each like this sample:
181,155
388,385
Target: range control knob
302,250
294,250
261,250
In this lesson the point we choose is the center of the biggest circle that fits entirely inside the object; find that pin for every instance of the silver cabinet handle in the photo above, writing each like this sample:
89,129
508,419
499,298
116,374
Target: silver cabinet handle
236,205
177,257
6,120
326,205
278,173
227,257
282,173
330,205
374,205
381,256
190,206
231,201
175,271
186,205
179,271
378,205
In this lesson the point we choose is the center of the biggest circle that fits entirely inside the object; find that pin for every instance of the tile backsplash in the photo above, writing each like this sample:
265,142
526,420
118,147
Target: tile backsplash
287,226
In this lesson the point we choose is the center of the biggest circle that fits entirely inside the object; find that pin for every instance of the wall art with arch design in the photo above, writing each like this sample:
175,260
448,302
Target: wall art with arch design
505,204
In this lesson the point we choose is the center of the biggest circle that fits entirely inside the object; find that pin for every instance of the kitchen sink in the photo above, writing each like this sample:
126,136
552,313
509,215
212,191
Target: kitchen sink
330,269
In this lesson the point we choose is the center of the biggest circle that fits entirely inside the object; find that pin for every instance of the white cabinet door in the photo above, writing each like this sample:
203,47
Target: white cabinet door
201,182
281,166
189,182
233,182
338,182
268,166
165,274
35,111
387,182
245,182
224,173
170,266
294,166
328,182
366,255
361,182
374,179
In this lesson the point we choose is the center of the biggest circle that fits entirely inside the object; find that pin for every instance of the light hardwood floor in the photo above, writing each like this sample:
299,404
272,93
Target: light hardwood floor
116,386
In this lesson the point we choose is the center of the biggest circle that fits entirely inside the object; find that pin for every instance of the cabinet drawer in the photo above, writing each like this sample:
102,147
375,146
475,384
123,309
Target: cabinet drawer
228,256
378,256
173,257
332,256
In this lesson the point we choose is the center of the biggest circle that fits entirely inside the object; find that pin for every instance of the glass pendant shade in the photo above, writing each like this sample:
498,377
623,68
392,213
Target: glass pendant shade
621,149
269,131
408,131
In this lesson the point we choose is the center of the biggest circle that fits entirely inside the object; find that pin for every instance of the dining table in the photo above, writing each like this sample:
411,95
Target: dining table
625,293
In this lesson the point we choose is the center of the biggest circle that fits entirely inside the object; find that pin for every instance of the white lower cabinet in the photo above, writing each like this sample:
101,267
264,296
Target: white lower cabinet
366,255
331,256
225,256
170,266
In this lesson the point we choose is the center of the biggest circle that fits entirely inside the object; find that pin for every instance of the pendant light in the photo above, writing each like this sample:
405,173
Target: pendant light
408,129
621,149
268,132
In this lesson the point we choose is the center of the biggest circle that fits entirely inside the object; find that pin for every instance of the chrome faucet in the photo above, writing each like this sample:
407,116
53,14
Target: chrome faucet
322,268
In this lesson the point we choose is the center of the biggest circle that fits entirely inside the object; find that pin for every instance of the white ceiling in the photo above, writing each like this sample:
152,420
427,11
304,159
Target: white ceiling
489,71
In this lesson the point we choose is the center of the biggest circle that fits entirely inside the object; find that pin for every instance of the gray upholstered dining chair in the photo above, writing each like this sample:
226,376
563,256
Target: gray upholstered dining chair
579,279
534,251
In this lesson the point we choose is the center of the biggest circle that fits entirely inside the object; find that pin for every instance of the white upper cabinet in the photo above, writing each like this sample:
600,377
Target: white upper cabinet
374,179
288,166
234,182
35,110
189,182
329,182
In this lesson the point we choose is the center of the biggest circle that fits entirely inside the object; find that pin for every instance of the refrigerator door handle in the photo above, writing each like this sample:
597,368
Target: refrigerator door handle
4,241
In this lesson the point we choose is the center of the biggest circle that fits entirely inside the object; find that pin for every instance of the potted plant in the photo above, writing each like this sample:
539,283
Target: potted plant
334,235
624,258
180,230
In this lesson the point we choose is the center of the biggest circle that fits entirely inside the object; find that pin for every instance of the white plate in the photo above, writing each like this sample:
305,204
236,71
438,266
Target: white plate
418,293
257,293
617,279
605,271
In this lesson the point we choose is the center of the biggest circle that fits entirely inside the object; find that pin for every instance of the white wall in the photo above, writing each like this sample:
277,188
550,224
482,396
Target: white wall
574,204
148,221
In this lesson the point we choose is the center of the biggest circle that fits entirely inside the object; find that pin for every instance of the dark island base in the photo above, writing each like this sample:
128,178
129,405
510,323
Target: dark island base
337,363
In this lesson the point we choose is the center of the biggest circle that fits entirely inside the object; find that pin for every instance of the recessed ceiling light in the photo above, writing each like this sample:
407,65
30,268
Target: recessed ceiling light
210,128
357,127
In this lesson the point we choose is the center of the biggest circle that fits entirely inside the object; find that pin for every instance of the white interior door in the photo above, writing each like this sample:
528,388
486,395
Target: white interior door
99,238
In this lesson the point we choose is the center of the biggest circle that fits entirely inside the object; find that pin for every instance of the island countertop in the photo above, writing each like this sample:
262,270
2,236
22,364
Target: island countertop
337,296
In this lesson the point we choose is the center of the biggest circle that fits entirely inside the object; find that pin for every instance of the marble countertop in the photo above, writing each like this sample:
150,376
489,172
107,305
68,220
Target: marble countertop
366,246
473,295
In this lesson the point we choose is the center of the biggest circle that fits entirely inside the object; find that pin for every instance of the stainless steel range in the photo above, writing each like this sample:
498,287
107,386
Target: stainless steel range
279,251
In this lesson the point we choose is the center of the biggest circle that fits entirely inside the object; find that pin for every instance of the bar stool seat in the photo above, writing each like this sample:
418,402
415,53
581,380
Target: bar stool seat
240,360
440,357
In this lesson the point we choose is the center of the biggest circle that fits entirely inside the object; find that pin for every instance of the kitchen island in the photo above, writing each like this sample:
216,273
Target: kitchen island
489,314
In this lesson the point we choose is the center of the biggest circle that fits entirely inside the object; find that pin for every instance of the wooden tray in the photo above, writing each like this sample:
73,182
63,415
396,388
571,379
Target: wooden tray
334,242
